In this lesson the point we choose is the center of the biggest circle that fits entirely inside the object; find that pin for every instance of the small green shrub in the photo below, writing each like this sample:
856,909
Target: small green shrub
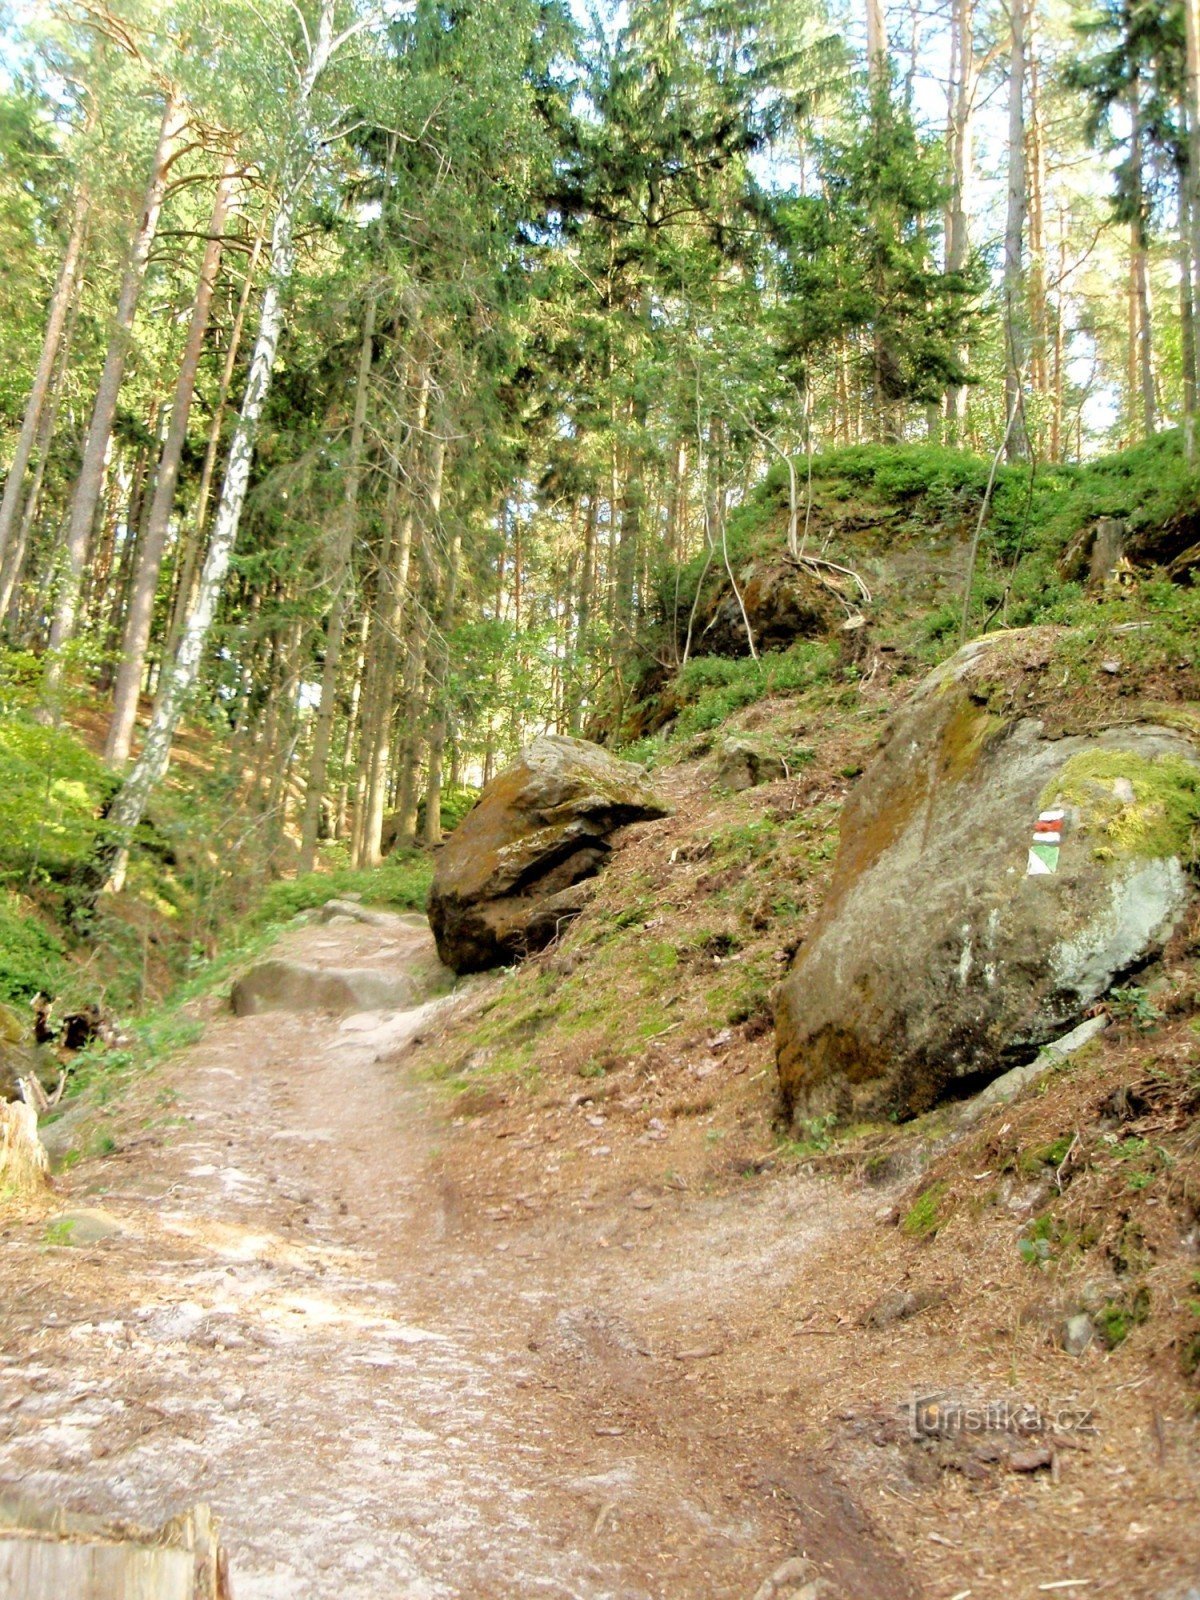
924,1218
401,881
31,958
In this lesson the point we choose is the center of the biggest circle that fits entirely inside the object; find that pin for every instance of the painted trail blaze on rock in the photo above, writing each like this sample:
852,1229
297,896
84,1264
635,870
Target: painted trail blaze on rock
992,884
517,866
1047,840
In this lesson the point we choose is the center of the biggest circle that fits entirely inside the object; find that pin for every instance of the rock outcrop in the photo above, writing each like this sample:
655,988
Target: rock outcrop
742,764
992,883
517,866
782,603
280,985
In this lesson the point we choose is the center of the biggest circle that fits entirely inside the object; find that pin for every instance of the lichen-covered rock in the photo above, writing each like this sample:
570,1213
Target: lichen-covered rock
782,603
960,932
742,764
514,870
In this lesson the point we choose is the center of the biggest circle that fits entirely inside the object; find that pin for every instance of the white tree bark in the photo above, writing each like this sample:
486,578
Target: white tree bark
962,98
153,541
129,805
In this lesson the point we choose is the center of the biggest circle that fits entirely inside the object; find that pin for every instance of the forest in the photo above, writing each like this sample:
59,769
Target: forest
599,799
371,376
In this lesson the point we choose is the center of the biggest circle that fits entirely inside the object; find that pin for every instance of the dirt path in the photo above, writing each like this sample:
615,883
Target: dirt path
302,1322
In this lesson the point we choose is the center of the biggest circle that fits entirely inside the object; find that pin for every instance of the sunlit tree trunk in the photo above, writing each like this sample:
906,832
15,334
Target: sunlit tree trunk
18,549
959,148
61,301
342,574
1014,237
129,805
153,543
185,584
377,724
1039,370
88,485
1140,273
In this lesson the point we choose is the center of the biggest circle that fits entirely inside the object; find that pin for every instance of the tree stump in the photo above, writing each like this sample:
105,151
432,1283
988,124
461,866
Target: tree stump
49,1555
24,1167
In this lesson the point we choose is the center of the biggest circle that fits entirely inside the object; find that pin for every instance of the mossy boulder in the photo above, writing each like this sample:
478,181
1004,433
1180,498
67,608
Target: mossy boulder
516,869
958,937
782,602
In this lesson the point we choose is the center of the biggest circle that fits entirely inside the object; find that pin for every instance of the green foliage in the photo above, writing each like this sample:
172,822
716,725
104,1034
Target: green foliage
402,881
1162,820
31,957
51,792
924,1217
1117,1318
712,688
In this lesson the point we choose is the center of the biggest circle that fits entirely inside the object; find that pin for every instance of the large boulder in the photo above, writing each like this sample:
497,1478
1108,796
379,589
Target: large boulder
782,602
516,867
993,882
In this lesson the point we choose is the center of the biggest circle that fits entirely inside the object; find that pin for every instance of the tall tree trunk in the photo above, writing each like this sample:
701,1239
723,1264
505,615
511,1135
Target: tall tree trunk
583,614
1190,212
1187,329
412,721
61,302
440,666
353,722
1143,335
129,805
1056,409
877,60
14,560
149,566
186,582
91,472
377,722
343,578
1039,371
1014,238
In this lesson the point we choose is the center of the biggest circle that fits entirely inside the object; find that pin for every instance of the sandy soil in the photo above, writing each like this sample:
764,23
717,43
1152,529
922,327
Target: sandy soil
408,1352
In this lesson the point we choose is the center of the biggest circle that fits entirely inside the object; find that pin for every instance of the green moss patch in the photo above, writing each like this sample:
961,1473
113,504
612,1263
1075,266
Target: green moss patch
1163,818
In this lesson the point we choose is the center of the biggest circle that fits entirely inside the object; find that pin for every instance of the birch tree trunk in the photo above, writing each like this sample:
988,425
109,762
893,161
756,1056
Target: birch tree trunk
1142,331
129,805
91,471
343,576
154,538
56,320
191,561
